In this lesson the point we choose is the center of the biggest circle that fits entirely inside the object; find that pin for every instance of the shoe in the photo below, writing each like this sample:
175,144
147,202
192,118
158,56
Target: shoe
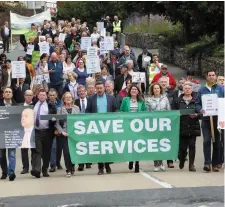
100,172
68,174
52,170
80,168
219,166
12,177
45,174
108,170
181,165
156,169
215,169
170,165
59,167
73,170
192,168
24,171
88,166
207,168
162,167
136,169
4,176
35,173
131,165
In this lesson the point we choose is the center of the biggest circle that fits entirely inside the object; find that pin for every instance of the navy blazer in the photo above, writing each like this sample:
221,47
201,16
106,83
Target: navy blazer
92,104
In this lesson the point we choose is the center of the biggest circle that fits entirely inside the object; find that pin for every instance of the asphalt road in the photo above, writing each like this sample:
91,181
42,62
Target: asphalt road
175,187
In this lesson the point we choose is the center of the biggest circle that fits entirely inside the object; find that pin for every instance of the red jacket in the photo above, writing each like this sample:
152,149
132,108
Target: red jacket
172,81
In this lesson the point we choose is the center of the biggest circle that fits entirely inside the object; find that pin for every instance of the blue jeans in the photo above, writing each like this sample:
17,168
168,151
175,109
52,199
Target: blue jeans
12,161
53,153
206,130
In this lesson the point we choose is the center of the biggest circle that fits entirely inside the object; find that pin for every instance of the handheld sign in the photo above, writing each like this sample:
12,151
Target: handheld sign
138,77
92,52
109,43
44,47
30,49
100,26
18,69
85,43
221,112
210,104
93,65
62,37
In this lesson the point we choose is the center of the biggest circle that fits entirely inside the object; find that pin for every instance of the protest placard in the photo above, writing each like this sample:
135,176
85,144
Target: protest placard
44,47
92,52
35,57
103,32
62,37
221,113
116,137
138,77
18,69
93,65
210,104
15,135
31,33
85,43
109,43
30,49
100,26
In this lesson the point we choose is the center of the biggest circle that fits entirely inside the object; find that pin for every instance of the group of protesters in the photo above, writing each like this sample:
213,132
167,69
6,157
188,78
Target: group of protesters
111,90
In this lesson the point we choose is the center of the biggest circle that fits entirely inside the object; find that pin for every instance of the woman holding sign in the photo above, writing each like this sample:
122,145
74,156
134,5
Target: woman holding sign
157,102
133,103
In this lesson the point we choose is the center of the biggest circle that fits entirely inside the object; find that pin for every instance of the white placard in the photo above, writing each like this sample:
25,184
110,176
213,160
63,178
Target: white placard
92,52
44,47
221,113
18,69
102,47
85,43
42,38
210,104
138,77
30,49
93,65
103,32
62,37
109,43
100,26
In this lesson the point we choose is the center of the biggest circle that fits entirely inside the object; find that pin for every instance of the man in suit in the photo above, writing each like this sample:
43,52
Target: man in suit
5,34
10,169
120,81
44,133
19,91
28,97
82,104
101,103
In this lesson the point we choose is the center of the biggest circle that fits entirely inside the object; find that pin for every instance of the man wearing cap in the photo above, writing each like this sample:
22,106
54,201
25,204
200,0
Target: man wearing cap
164,73
120,81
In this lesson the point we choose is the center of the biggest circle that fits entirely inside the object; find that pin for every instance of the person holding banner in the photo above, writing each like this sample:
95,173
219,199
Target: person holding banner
189,126
157,102
101,103
209,123
133,103
68,107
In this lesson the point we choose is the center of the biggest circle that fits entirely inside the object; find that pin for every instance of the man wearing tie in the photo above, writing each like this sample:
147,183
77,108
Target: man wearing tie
82,104
44,133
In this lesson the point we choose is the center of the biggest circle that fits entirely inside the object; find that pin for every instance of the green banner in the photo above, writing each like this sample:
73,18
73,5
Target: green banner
29,34
35,57
121,137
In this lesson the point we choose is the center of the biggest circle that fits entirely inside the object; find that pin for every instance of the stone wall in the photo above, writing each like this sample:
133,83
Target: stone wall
141,40
199,62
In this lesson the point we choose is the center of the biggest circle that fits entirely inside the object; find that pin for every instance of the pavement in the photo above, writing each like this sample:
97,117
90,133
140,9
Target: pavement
175,187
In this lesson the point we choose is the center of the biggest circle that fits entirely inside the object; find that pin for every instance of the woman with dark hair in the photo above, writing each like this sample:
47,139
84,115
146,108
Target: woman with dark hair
157,102
43,56
133,103
68,66
105,73
81,73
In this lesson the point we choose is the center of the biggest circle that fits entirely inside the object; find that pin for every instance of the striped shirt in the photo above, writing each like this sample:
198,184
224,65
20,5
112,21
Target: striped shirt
133,106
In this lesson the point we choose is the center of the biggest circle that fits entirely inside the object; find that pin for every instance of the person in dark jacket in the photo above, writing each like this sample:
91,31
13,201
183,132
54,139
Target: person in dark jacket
19,91
5,34
108,26
189,126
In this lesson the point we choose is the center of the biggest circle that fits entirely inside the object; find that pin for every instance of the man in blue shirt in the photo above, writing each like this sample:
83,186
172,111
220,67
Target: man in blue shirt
211,87
101,103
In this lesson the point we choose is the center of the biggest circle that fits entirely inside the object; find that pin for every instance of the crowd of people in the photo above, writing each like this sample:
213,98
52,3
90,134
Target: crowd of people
68,89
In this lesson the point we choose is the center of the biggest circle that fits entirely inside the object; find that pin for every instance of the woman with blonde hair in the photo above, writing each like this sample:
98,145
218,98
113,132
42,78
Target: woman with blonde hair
157,102
68,107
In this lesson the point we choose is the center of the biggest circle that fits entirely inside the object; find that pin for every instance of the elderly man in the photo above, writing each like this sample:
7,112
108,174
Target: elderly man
90,89
109,87
55,68
165,73
5,34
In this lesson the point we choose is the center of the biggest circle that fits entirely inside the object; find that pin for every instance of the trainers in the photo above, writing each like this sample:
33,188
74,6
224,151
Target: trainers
156,169
68,175
207,168
162,167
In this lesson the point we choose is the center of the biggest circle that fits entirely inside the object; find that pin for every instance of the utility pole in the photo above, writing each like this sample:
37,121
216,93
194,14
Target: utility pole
34,5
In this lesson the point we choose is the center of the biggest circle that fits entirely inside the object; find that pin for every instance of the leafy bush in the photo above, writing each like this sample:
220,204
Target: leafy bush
218,51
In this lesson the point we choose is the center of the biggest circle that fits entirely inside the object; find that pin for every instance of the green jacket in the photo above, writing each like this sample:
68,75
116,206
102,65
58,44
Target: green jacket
125,106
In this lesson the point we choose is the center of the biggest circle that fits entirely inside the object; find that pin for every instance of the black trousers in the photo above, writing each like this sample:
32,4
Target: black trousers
5,43
222,147
3,161
102,165
187,143
25,158
63,144
43,141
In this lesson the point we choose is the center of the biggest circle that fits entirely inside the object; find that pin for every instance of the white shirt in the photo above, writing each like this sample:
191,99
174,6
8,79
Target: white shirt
9,79
26,138
6,30
43,124
25,104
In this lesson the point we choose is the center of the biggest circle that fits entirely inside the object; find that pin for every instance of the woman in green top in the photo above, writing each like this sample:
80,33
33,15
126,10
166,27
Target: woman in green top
133,103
